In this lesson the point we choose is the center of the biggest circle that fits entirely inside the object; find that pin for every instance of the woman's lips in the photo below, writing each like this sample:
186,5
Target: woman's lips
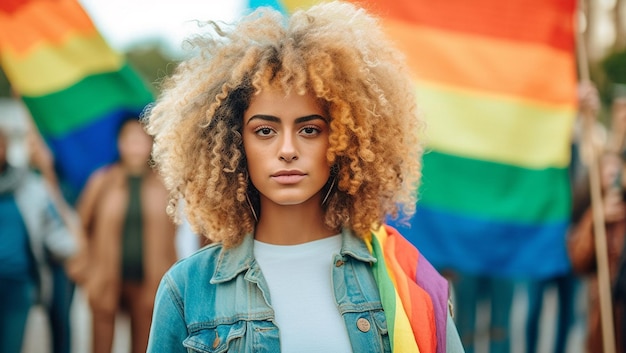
288,178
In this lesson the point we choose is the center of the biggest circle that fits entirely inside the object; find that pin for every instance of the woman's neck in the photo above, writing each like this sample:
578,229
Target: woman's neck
136,169
291,225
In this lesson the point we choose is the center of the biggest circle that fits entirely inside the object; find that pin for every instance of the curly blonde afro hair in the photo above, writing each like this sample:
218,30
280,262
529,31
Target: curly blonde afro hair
334,50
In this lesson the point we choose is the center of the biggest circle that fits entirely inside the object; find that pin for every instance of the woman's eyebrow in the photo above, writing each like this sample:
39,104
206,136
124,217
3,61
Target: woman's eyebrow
270,118
307,118
275,119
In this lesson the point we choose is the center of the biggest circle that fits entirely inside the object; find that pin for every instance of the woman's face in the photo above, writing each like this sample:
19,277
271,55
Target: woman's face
134,144
285,138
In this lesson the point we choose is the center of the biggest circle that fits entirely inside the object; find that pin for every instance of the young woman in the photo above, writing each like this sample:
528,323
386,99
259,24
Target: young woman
290,141
130,241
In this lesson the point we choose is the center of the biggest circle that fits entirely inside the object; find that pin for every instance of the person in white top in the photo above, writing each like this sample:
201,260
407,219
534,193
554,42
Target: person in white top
290,140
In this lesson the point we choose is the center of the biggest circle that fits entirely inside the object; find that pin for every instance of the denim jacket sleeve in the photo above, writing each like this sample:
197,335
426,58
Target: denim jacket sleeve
168,330
453,341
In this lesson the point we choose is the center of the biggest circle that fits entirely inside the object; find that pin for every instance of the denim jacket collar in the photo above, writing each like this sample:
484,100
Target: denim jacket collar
235,260
355,247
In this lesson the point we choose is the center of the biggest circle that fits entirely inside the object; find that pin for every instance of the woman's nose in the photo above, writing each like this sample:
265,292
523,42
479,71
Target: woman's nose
288,151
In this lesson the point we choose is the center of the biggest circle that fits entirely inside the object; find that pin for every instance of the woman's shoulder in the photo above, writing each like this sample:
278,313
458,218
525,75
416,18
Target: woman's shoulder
103,176
196,267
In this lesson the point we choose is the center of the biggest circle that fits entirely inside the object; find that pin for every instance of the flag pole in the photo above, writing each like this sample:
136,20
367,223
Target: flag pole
602,263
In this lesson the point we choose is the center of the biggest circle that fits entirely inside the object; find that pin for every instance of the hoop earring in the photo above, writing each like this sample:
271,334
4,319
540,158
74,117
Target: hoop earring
330,189
256,218
248,185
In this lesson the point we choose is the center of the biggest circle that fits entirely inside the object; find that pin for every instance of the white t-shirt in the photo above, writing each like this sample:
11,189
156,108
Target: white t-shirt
299,280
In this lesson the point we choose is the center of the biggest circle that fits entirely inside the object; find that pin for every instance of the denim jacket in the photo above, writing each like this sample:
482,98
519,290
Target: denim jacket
217,300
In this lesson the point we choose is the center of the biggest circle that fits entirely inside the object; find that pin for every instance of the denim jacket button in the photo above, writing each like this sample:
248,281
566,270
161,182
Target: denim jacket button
339,263
363,325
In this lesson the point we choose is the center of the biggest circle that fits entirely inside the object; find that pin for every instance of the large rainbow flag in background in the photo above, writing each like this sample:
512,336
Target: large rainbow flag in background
75,86
496,81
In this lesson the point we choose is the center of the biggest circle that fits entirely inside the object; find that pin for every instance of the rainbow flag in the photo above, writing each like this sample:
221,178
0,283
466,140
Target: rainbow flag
414,295
496,81
75,86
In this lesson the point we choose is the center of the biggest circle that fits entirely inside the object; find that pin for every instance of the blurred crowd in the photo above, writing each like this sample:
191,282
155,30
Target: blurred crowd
116,241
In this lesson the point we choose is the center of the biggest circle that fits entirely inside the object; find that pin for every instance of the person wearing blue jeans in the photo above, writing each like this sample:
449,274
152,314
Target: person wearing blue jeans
17,295
470,290
59,309
31,228
63,284
567,288
567,284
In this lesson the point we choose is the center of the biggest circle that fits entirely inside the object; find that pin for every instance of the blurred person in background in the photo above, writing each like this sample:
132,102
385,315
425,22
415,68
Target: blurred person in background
64,274
130,239
582,242
568,284
472,290
33,231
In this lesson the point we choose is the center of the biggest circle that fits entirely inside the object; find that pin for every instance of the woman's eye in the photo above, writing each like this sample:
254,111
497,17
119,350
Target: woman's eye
264,131
310,131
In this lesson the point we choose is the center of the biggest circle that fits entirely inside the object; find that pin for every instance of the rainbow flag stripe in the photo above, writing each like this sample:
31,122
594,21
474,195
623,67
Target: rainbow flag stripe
496,81
75,86
413,294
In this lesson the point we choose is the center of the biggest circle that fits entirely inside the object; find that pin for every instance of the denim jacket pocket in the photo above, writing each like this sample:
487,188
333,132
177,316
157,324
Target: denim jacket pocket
218,339
381,323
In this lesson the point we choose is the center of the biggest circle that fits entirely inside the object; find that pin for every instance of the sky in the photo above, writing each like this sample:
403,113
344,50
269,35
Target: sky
124,23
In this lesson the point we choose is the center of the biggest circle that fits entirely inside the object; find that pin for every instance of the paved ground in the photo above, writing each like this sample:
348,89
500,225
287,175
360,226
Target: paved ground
38,337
